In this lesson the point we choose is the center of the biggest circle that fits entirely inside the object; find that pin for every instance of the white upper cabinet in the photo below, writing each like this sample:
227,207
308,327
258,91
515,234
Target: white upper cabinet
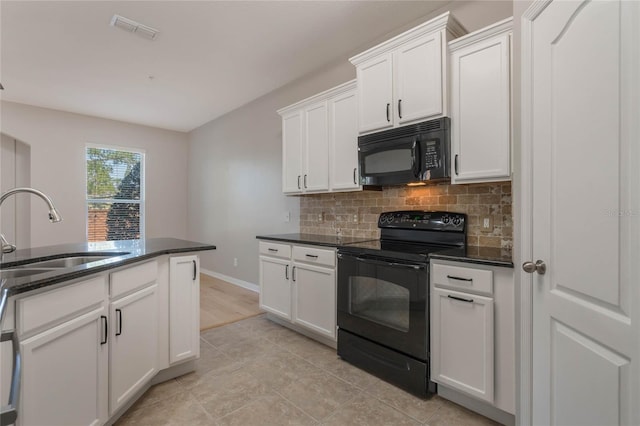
320,142
404,80
344,142
481,105
292,138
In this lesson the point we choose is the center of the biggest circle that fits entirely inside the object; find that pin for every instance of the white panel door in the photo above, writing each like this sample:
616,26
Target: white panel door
581,80
316,148
292,141
184,308
343,158
418,79
480,111
275,286
462,350
133,345
64,380
315,298
375,93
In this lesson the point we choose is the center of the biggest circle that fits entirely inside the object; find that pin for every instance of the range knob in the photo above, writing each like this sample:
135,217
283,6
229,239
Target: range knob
456,220
446,219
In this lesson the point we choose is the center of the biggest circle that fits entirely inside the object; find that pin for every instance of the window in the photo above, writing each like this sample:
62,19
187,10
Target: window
115,194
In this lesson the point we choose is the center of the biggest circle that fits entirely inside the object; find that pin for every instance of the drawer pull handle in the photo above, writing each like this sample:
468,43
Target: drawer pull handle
119,312
453,277
106,329
313,256
462,299
273,250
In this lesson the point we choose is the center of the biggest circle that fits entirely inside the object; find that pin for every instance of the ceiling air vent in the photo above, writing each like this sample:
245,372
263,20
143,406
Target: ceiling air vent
134,27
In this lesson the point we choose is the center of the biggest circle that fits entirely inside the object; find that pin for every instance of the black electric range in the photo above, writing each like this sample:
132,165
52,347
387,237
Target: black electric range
383,295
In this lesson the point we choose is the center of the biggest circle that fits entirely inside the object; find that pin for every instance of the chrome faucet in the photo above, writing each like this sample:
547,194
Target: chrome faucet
54,216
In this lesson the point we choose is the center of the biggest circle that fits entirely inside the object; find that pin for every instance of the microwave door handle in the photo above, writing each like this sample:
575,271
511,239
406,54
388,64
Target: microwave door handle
415,158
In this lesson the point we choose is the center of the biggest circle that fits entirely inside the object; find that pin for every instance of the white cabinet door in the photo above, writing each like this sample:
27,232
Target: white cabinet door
344,142
316,148
375,93
133,344
64,380
315,298
275,286
292,141
184,308
418,79
480,111
462,344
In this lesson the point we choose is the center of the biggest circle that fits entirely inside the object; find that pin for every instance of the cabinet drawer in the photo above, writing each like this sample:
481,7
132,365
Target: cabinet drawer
53,307
132,278
314,255
275,249
462,278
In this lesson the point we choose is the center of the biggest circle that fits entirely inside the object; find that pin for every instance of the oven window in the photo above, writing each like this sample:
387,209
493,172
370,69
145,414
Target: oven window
380,301
396,160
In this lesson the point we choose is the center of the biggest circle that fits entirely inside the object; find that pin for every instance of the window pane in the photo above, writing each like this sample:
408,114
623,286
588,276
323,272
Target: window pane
113,174
380,301
114,221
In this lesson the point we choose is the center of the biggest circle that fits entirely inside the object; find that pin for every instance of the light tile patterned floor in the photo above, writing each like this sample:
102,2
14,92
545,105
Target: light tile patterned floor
255,372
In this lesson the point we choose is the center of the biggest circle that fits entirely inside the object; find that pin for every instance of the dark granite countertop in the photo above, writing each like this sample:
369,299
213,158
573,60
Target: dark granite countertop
317,240
129,251
491,256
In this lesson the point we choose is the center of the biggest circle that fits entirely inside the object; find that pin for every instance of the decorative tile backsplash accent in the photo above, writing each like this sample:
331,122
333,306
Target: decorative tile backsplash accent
355,214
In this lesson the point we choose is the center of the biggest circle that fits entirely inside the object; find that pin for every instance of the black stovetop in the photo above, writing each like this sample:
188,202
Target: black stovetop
398,250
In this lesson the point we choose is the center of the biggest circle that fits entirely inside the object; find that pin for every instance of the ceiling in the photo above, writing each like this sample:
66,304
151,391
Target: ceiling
210,57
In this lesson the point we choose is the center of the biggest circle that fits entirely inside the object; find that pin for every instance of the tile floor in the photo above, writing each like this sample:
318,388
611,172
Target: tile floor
255,372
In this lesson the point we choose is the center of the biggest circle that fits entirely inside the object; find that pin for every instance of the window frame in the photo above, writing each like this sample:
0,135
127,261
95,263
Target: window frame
141,201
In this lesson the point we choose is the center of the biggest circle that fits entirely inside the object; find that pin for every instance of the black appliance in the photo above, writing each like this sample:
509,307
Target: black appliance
383,295
418,153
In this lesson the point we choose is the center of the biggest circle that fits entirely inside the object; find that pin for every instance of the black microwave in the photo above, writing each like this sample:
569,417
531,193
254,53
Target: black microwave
418,153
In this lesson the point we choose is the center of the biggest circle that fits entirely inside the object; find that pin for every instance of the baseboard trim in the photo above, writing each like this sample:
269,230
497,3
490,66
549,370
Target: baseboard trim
240,283
479,407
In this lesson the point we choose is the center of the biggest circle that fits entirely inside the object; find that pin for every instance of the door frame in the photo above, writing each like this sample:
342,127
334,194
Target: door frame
524,197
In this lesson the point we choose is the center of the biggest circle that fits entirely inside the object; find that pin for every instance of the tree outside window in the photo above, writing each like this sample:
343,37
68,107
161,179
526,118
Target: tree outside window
115,189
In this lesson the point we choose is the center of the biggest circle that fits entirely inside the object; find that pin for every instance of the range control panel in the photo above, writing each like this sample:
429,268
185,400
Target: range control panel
423,220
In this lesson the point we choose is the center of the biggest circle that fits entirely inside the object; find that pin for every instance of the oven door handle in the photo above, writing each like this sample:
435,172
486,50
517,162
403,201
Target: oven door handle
417,266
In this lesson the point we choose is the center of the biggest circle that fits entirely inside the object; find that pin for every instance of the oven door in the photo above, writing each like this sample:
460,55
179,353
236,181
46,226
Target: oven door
385,301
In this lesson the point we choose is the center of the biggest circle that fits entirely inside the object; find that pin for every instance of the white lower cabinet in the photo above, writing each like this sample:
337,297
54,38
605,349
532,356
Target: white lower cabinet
298,283
133,346
473,331
314,298
64,380
184,308
462,354
88,348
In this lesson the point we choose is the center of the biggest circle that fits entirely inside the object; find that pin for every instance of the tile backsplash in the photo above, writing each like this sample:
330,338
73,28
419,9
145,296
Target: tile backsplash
355,214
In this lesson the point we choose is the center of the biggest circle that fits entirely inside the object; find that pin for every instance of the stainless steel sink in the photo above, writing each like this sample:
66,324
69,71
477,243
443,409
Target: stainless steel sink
24,272
59,263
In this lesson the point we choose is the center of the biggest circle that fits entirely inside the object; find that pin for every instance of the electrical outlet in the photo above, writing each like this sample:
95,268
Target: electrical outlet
320,217
355,218
235,261
287,216
487,223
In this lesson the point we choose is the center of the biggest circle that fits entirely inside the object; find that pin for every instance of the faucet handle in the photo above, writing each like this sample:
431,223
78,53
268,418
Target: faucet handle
7,247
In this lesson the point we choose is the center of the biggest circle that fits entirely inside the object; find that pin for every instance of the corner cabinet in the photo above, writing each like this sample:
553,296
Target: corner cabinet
298,284
481,105
472,331
404,80
320,143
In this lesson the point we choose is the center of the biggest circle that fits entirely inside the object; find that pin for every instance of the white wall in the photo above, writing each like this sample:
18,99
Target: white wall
58,140
235,162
